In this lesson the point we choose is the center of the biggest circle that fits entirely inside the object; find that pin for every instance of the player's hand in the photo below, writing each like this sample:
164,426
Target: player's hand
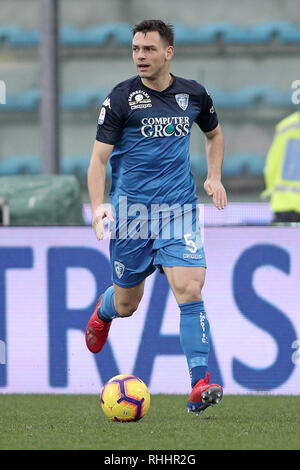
99,215
216,190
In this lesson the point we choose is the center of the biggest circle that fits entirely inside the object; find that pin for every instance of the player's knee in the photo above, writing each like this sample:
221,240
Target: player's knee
126,309
192,290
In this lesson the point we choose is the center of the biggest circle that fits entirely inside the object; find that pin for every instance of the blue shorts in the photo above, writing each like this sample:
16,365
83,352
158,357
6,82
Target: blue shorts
135,257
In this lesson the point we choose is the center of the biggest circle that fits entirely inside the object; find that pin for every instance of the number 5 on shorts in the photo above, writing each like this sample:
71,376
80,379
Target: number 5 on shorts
190,244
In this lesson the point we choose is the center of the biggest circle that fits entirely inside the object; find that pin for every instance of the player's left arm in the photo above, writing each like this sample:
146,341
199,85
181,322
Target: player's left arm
214,156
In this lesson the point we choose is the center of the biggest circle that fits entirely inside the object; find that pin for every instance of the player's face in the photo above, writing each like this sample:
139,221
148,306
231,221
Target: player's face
151,55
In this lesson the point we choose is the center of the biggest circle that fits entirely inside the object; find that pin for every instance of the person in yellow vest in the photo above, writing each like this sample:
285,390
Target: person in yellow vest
282,171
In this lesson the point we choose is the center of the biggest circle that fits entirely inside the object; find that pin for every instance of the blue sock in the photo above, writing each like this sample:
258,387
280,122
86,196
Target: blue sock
195,338
197,373
107,309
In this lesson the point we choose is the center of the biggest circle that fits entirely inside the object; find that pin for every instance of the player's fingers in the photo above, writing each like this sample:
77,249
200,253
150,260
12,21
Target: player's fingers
109,215
220,199
98,229
216,199
223,198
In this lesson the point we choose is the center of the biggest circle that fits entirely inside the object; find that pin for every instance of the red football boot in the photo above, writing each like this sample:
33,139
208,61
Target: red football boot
96,331
204,395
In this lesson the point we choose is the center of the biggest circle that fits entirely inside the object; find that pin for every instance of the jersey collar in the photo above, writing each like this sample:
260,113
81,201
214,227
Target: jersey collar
156,91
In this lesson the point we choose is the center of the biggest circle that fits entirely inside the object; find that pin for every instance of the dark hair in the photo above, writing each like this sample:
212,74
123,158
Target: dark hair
165,31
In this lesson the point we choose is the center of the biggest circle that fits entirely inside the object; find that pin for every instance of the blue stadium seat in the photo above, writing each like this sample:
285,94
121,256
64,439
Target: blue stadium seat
248,164
267,30
84,99
23,164
259,33
70,36
241,35
242,98
94,36
122,33
273,97
76,101
75,166
19,165
184,35
25,101
209,33
97,35
290,34
198,165
78,166
100,34
255,164
233,165
19,37
7,31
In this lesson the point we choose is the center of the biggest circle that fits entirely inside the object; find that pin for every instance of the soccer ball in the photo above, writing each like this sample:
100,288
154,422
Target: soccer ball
125,398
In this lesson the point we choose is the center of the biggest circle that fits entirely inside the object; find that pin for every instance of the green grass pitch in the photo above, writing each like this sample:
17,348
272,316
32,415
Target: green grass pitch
57,422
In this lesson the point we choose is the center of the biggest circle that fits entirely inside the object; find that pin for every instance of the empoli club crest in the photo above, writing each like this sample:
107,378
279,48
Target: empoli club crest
182,100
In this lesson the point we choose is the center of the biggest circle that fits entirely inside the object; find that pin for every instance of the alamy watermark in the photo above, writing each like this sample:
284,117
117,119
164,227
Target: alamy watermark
296,94
2,92
296,354
2,352
157,221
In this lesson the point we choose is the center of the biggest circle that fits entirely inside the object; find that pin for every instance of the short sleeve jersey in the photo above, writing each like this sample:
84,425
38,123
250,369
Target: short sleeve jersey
150,131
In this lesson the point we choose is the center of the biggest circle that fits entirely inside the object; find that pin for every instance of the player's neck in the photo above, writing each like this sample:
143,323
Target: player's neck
159,83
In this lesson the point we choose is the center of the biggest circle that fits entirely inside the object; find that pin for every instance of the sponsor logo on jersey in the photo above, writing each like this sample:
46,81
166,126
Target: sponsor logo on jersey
191,256
182,100
119,268
139,99
101,116
178,126
106,102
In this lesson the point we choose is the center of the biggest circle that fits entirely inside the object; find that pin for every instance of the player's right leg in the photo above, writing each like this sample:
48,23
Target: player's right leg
116,302
131,262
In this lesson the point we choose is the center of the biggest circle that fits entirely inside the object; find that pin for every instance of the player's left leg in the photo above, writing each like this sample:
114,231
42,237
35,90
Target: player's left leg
186,284
115,302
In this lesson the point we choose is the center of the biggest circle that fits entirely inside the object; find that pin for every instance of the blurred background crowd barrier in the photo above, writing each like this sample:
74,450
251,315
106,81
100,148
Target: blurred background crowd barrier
248,59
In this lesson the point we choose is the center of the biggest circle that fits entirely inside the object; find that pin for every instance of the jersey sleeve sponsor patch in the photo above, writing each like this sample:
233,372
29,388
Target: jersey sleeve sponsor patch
111,118
101,116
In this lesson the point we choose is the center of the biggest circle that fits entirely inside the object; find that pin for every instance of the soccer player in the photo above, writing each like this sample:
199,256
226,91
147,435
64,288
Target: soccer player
144,130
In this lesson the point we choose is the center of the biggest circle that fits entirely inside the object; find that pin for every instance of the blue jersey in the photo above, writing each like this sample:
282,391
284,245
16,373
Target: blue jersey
150,131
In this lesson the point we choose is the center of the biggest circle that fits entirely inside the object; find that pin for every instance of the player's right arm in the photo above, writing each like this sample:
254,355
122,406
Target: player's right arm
96,186
110,125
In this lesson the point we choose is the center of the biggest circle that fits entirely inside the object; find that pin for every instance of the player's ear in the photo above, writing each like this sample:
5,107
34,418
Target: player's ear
169,52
